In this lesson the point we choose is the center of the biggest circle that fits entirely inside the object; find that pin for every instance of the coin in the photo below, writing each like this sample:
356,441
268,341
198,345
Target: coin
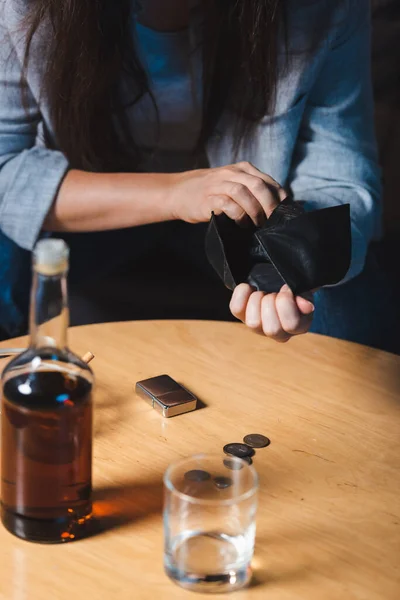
233,465
222,482
197,475
256,440
239,450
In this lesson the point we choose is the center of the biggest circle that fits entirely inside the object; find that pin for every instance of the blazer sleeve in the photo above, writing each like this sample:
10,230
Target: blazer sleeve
30,174
335,158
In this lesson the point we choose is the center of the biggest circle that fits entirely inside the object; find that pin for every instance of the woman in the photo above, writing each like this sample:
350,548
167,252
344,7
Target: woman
143,115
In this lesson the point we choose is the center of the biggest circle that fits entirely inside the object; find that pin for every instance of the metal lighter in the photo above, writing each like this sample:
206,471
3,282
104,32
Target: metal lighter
166,396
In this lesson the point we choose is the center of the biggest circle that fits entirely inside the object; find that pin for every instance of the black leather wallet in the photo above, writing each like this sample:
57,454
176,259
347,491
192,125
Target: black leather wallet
305,250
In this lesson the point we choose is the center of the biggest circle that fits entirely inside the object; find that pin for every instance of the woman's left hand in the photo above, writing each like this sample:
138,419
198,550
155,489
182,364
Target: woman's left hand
278,316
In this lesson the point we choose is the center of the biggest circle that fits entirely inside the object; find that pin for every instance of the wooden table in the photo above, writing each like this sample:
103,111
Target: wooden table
329,516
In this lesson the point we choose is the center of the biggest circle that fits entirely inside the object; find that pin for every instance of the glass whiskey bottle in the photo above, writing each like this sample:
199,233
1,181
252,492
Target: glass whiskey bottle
46,439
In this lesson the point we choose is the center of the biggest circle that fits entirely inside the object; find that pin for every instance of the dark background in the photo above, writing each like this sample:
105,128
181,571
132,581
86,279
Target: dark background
386,79
162,287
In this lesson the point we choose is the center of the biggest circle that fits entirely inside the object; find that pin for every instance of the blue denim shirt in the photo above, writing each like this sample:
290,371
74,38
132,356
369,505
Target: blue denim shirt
320,141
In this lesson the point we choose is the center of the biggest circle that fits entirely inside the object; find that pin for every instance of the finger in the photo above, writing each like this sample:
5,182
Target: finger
243,196
304,305
239,300
223,204
265,194
292,319
253,312
271,324
252,170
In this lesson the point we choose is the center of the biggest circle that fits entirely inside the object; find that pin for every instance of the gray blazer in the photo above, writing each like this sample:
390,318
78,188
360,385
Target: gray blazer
320,141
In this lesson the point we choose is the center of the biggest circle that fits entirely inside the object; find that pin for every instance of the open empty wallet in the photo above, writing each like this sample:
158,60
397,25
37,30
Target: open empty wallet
305,250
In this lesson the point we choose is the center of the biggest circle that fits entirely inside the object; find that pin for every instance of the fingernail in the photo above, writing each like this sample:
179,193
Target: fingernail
285,288
309,305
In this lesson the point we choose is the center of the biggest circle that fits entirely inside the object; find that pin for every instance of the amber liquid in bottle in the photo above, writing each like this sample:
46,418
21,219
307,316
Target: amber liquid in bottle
46,464
46,438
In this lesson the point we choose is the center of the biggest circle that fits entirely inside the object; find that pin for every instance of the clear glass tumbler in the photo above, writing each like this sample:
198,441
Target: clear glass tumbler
210,509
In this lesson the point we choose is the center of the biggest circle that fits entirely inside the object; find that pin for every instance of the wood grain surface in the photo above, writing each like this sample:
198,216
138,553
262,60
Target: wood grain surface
328,523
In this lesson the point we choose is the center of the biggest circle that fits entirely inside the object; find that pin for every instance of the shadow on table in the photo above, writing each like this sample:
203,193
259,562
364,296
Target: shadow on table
264,577
117,506
200,404
110,410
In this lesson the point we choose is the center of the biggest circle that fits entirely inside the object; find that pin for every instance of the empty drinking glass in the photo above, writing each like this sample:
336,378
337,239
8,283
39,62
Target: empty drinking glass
209,522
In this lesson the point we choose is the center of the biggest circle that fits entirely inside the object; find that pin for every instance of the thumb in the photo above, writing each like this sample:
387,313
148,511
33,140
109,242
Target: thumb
305,306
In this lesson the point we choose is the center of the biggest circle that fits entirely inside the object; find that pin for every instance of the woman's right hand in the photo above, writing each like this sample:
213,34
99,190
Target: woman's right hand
239,191
121,200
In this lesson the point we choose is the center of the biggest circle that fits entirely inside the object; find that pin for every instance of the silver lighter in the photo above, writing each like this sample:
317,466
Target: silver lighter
166,396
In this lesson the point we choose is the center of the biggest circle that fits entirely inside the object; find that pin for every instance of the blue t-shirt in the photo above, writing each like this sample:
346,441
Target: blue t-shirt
175,80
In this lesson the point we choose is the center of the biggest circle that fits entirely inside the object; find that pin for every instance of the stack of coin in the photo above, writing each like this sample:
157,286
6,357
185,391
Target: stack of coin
239,450
245,450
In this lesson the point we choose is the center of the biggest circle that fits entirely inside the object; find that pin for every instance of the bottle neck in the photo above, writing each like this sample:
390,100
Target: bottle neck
49,315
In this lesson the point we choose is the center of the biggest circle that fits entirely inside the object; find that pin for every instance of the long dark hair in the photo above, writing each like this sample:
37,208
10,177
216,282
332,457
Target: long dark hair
90,51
